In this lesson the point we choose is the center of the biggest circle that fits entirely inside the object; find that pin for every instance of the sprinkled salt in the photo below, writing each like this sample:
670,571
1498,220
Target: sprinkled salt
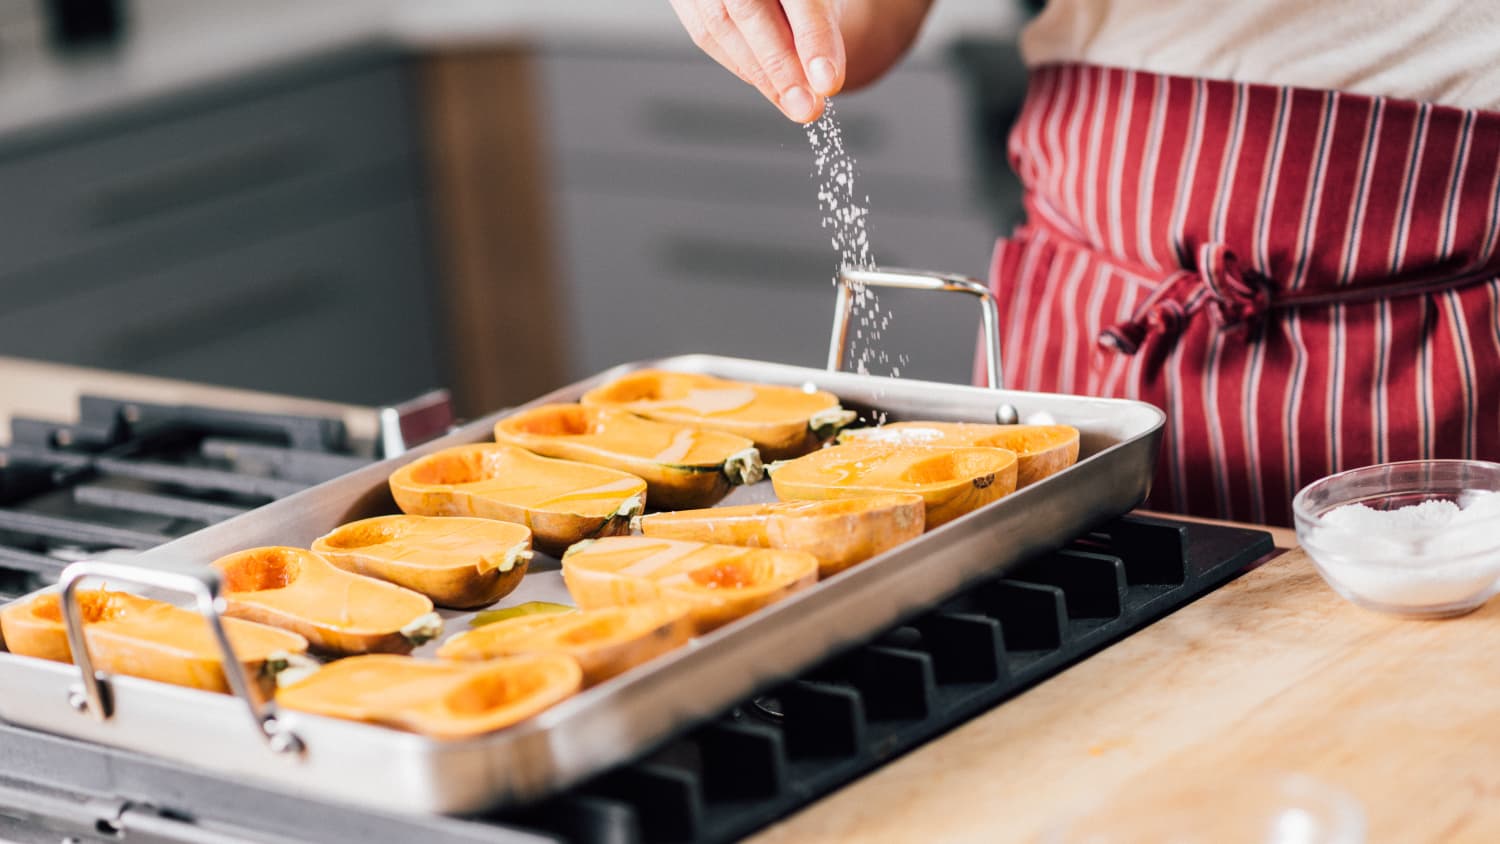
846,218
1425,555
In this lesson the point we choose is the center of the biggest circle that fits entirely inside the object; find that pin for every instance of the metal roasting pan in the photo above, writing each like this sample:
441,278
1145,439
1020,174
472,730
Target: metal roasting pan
395,771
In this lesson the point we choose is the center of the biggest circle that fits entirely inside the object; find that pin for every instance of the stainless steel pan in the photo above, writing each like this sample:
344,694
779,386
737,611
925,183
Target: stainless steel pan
626,716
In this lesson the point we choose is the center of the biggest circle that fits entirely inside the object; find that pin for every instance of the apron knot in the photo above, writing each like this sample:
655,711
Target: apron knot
1233,296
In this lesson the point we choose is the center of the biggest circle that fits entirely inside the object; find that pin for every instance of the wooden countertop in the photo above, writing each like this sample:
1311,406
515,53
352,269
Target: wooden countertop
1272,673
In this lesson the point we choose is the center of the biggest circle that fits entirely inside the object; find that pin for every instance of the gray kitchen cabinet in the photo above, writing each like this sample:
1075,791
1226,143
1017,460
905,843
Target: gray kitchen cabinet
688,218
265,232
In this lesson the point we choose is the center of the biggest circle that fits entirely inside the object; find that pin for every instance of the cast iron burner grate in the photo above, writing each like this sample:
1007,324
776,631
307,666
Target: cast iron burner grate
132,475
760,761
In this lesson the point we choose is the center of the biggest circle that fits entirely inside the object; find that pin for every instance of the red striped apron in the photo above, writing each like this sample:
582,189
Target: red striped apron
1305,281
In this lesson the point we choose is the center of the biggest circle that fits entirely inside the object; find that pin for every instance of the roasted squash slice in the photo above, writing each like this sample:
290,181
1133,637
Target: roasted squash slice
681,465
335,610
128,634
951,481
560,500
839,533
784,422
605,642
720,582
456,561
441,699
1041,450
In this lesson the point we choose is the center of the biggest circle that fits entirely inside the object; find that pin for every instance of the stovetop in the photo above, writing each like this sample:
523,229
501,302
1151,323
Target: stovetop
129,475
721,780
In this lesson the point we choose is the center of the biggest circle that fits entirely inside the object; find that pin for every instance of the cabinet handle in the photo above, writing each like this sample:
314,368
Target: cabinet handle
241,312
198,182
680,121
731,261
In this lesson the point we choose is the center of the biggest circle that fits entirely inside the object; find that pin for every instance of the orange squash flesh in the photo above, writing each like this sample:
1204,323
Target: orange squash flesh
441,699
139,637
682,466
1041,450
456,561
335,610
560,500
784,422
951,481
720,582
605,642
839,533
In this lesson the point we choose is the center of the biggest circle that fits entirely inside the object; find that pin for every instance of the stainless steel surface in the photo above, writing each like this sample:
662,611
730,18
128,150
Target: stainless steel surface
417,420
203,587
915,280
617,720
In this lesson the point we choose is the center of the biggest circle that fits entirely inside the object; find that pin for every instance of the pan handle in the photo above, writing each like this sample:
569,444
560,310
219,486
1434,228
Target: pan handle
849,277
93,695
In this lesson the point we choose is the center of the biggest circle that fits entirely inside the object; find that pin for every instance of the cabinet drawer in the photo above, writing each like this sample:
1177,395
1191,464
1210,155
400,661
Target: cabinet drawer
686,108
340,311
656,277
104,190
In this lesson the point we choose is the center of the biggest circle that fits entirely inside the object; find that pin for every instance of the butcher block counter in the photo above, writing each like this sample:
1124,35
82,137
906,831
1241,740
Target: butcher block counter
1272,673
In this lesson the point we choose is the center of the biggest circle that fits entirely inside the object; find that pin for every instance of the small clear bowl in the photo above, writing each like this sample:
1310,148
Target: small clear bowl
1434,573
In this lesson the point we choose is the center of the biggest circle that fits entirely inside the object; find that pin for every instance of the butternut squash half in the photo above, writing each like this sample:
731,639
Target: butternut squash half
441,699
1041,450
456,561
719,582
335,610
682,466
951,481
839,533
605,642
139,637
784,422
560,500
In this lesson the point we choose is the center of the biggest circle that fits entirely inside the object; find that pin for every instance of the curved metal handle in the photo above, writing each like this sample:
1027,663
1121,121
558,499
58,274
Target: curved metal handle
915,280
94,697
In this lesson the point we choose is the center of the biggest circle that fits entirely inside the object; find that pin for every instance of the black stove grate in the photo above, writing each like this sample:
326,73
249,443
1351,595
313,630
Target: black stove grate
132,475
768,757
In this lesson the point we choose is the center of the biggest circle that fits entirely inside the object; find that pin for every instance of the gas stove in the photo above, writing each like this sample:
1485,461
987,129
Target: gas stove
126,473
117,474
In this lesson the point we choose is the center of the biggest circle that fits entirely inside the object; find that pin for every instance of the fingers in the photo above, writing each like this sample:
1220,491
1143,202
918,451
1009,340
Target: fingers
819,43
764,28
792,52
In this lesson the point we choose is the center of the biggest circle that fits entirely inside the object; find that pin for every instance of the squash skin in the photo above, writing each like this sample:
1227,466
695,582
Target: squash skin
784,422
493,569
951,481
1041,450
554,526
720,582
139,637
440,699
840,533
283,587
632,635
642,447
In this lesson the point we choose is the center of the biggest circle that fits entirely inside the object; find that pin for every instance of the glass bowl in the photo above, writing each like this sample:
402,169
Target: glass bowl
1429,566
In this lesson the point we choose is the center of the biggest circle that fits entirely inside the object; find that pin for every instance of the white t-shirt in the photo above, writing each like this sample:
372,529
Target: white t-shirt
1441,51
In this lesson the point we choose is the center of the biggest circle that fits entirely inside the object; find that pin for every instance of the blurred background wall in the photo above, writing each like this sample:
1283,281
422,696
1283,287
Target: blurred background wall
360,199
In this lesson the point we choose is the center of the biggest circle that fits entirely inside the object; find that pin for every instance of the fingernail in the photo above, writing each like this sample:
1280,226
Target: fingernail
797,103
821,73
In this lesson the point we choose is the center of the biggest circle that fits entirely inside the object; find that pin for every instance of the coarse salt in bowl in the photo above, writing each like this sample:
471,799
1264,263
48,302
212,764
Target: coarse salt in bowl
1416,538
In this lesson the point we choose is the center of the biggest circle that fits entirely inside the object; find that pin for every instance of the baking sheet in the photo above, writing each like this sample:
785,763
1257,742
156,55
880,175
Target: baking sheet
637,710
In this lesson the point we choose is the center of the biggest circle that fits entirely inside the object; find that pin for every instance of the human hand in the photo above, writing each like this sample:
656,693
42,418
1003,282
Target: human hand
792,51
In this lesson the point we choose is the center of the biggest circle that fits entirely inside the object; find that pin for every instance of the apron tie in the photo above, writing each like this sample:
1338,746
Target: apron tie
1232,295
